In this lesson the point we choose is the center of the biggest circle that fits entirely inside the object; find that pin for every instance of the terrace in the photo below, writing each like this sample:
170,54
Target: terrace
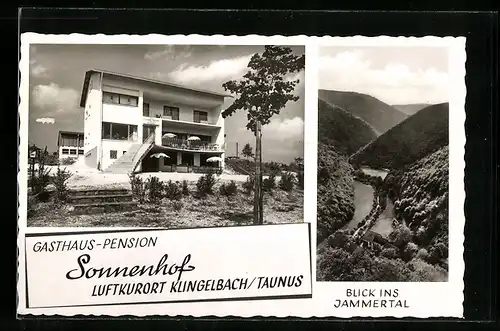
187,145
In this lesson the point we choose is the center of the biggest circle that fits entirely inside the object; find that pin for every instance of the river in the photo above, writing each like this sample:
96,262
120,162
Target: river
363,199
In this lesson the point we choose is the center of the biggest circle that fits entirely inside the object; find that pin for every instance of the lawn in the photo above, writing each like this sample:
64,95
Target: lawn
211,211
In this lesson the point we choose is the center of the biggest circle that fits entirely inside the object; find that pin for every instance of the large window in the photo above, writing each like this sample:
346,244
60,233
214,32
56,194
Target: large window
120,99
200,116
171,112
74,140
119,131
145,109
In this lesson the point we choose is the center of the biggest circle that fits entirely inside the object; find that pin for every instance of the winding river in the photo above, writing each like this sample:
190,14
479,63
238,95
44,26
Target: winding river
363,199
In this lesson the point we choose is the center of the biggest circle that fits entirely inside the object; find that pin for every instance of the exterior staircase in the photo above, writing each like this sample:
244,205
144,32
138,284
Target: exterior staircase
128,162
94,201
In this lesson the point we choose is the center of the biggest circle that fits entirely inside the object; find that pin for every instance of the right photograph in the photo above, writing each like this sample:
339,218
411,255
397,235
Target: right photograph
383,135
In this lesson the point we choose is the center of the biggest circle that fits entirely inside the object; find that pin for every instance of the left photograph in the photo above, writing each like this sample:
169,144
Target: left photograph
171,136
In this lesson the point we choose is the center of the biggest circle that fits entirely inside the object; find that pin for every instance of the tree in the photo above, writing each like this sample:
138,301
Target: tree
262,92
247,151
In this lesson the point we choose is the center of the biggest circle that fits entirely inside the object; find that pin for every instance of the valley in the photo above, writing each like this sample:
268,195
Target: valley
382,208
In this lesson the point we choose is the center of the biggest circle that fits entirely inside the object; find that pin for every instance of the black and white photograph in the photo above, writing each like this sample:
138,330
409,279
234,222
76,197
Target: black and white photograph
383,164
170,136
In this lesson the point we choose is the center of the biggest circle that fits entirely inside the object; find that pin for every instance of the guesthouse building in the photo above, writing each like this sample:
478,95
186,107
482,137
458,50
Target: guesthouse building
134,124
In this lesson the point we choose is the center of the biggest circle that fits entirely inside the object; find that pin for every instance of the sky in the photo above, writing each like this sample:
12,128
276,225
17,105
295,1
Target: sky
57,72
394,75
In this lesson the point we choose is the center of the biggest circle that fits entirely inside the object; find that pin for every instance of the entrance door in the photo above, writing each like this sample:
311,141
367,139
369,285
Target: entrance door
147,130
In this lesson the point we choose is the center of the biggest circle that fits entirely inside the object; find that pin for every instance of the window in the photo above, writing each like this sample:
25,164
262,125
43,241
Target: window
65,151
119,131
145,109
113,154
72,151
171,112
80,152
122,99
68,139
200,116
124,152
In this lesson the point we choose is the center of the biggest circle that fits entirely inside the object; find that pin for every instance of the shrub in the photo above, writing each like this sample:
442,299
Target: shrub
228,189
205,184
177,205
40,178
249,184
60,181
269,183
422,254
68,161
185,187
155,189
410,251
390,253
274,169
286,181
138,188
31,205
172,191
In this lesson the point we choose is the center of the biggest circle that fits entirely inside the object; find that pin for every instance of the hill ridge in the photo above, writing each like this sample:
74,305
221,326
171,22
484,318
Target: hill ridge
419,135
380,115
342,130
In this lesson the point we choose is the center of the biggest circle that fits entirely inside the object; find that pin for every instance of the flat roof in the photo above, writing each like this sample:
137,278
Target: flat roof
70,132
89,73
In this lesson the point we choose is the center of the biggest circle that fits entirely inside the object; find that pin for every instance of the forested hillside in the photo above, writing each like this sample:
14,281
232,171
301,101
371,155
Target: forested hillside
409,141
418,249
340,129
420,195
335,192
376,113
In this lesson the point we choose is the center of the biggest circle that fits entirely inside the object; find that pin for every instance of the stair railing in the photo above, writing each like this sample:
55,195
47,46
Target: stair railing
142,150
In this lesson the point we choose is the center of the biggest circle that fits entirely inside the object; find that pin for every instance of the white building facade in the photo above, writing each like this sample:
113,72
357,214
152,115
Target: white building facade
127,119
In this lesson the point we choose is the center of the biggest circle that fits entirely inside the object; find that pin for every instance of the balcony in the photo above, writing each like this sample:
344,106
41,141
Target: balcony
186,145
154,115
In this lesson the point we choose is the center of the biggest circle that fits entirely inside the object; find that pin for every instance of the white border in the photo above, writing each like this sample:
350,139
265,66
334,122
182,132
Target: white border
427,299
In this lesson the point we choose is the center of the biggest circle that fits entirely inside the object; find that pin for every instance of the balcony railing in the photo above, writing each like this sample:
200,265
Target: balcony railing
194,145
174,117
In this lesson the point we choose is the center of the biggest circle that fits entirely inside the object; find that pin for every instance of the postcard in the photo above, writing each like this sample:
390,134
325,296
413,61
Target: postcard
241,176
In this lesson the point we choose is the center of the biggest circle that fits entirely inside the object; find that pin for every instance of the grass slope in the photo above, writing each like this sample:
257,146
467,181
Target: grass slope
340,129
378,114
412,108
409,141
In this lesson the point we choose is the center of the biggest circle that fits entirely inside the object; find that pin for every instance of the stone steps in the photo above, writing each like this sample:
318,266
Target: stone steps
98,208
100,200
105,198
98,191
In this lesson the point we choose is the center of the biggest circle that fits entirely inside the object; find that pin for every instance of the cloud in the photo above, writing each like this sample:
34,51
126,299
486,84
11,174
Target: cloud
289,128
54,99
46,120
396,83
38,70
282,140
170,52
215,70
